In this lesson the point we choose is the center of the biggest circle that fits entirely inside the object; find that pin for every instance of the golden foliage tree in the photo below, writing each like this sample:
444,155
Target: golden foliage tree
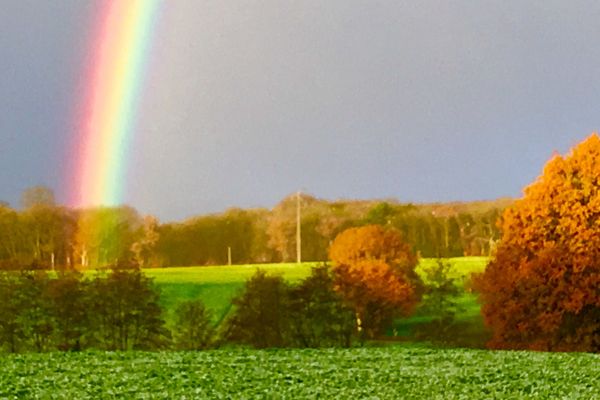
542,289
374,272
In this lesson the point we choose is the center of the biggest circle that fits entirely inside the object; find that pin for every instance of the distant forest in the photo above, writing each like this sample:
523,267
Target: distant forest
44,235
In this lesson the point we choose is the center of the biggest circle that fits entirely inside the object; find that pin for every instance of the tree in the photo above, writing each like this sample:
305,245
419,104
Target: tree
68,302
35,317
440,300
48,233
10,232
38,196
105,236
373,242
375,273
193,330
319,220
542,288
125,311
318,315
205,240
144,248
11,330
260,318
40,312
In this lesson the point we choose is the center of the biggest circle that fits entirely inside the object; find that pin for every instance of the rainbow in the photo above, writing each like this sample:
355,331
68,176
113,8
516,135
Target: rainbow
107,114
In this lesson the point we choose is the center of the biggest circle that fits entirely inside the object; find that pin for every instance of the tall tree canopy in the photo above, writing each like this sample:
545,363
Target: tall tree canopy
542,288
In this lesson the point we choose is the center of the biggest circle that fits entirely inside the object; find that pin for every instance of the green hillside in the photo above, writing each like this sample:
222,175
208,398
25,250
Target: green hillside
217,285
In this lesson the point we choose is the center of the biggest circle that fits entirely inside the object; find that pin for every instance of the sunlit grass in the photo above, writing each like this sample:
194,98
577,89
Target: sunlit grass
461,267
217,285
227,274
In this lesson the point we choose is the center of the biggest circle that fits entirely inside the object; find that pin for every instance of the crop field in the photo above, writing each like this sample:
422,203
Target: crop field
383,372
217,285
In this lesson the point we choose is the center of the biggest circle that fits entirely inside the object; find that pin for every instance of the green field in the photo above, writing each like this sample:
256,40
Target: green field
217,285
394,372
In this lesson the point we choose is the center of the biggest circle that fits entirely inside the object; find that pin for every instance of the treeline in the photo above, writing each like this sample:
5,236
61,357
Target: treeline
44,235
114,311
372,282
119,310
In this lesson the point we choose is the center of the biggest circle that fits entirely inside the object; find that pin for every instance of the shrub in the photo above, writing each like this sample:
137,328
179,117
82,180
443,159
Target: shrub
440,299
260,318
318,316
193,330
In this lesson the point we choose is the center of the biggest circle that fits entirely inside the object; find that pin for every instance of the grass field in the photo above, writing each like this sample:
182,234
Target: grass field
217,285
393,372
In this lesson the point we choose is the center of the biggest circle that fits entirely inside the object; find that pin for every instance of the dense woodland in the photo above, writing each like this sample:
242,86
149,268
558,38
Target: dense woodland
44,235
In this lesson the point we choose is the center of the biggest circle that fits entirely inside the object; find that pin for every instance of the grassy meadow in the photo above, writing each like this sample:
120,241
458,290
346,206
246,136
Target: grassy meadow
217,285
390,372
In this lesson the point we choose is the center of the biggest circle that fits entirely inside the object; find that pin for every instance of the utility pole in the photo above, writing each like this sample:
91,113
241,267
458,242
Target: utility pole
298,233
229,255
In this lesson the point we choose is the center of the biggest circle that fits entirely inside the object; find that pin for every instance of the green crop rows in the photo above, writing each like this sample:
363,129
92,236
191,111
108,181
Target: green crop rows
377,373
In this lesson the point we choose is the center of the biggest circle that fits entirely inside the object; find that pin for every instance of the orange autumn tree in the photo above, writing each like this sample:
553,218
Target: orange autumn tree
374,271
542,289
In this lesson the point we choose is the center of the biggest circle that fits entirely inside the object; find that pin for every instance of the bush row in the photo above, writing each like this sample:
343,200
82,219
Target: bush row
119,309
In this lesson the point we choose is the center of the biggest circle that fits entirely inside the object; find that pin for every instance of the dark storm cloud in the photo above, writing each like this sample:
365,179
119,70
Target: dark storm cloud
245,102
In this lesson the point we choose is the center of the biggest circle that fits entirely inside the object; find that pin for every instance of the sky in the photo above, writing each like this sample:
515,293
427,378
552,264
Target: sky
243,103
